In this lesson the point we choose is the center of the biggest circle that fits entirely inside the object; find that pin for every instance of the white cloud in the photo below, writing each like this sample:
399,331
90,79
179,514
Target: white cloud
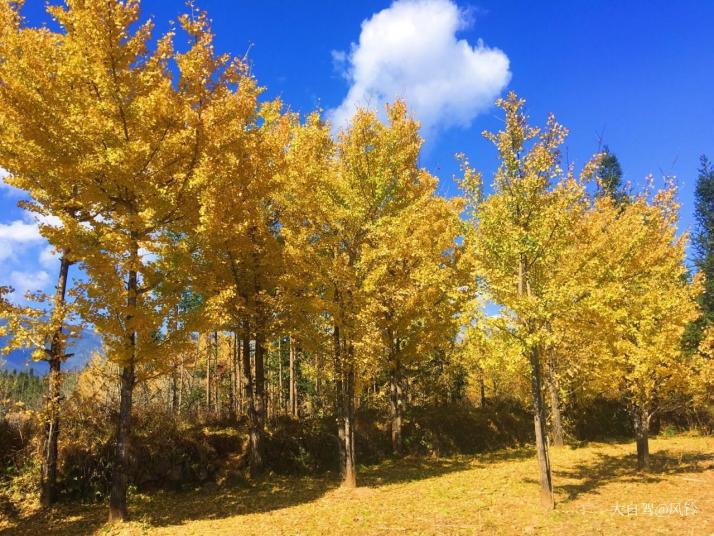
5,187
25,254
19,231
410,51
15,236
28,281
48,257
50,220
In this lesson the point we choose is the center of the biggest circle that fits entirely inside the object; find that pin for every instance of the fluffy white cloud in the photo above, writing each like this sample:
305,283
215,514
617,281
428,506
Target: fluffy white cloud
25,254
28,281
48,257
19,231
50,220
410,50
17,235
6,188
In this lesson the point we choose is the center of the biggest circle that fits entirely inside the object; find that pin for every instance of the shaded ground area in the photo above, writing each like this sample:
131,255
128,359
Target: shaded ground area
598,492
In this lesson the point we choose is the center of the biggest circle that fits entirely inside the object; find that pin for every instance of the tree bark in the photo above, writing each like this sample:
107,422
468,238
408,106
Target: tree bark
216,378
239,375
293,398
546,483
260,398
396,403
120,470
208,376
555,415
545,475
255,456
339,400
174,390
642,430
180,389
232,380
54,394
281,398
350,474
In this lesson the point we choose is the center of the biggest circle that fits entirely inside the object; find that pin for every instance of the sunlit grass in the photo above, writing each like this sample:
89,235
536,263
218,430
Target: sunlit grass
494,493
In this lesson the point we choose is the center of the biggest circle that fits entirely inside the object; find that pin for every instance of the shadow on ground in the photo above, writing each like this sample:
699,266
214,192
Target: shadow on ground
273,492
607,468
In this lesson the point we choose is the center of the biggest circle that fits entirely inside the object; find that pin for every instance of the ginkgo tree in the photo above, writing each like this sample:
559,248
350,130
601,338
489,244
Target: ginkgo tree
45,328
518,239
30,82
351,199
412,266
119,130
638,302
239,253
381,191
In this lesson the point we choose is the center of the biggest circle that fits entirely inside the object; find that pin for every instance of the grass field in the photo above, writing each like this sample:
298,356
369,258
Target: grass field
598,491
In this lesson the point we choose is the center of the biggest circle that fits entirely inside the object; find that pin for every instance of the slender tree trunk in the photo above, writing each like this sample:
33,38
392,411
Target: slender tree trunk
175,373
216,377
293,398
120,470
260,398
339,401
281,398
555,416
180,389
255,456
350,475
317,402
49,466
546,481
208,376
232,380
395,402
174,389
482,385
642,430
239,375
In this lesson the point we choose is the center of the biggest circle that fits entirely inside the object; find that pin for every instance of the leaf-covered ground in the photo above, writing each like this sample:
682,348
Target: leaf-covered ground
598,492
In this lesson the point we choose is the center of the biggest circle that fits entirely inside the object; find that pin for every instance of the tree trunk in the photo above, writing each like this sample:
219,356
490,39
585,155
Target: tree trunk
544,473
281,398
232,380
180,389
216,378
546,483
555,416
339,401
54,384
293,398
120,470
174,390
208,376
255,459
237,348
260,398
350,474
642,431
396,403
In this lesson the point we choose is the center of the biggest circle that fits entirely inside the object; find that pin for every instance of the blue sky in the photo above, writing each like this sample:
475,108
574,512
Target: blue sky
638,74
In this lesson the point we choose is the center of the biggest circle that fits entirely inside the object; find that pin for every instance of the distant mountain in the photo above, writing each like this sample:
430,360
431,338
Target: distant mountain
82,348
